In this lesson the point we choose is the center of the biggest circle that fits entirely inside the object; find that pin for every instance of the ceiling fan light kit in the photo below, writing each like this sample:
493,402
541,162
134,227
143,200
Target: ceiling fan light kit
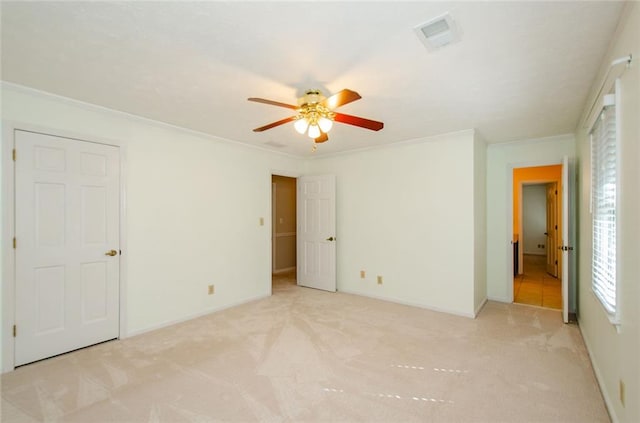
315,115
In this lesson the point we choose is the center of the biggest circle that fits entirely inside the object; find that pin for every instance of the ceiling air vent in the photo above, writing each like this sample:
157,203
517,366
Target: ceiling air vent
438,32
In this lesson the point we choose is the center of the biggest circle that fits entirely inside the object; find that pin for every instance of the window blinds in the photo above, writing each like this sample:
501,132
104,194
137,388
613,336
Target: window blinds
603,197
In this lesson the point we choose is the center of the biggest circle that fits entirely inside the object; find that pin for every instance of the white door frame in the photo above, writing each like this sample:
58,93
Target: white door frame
272,173
520,214
508,251
8,230
274,250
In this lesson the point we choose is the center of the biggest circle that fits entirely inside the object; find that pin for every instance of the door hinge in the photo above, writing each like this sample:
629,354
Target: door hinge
15,331
15,243
14,154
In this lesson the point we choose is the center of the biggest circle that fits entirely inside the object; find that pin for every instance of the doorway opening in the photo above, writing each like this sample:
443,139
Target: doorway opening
537,236
283,233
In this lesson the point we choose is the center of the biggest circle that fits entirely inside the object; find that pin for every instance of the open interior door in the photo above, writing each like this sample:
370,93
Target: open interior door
552,229
567,235
316,261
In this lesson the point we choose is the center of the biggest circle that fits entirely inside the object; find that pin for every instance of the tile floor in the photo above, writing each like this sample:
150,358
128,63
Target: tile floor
535,286
283,280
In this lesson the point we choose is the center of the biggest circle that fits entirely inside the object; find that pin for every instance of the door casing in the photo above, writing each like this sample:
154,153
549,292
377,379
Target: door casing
272,173
520,206
508,251
552,228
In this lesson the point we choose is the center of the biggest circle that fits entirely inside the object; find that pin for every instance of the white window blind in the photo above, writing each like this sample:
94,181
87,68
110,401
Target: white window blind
603,198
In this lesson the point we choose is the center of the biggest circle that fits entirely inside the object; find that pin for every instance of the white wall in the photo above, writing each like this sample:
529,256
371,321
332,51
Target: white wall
501,160
192,209
4,314
406,212
534,218
616,353
480,221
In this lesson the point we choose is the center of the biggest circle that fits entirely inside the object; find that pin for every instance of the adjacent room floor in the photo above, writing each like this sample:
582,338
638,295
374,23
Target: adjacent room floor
307,355
535,286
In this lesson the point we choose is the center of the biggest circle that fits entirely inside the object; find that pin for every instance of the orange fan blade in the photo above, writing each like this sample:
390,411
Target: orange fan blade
358,121
322,138
274,124
273,103
341,98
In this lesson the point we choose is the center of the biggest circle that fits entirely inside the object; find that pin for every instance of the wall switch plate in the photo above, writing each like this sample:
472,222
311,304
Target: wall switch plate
262,221
379,280
211,289
362,274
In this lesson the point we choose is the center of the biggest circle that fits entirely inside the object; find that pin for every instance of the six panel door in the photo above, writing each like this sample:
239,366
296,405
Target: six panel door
316,208
67,222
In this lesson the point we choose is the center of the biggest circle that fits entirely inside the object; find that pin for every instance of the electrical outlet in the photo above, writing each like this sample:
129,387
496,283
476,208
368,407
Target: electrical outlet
362,274
211,289
621,392
379,280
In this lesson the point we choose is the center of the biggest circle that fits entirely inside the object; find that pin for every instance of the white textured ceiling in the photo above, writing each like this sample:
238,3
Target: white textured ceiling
521,70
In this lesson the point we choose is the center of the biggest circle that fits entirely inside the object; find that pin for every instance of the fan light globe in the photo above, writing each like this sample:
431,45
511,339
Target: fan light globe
301,125
325,124
314,131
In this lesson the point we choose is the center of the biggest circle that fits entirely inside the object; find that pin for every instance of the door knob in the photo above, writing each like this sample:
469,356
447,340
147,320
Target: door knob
331,238
111,253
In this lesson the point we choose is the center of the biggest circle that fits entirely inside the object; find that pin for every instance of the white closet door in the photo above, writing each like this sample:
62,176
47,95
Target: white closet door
67,252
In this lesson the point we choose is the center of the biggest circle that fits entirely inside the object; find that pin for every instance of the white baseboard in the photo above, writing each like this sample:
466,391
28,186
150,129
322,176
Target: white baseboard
479,308
499,299
408,303
605,394
191,316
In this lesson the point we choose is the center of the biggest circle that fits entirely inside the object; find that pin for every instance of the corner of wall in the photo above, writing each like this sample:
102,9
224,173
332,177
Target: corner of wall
479,221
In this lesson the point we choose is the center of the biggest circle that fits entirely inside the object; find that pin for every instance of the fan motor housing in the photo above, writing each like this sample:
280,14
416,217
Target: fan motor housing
311,97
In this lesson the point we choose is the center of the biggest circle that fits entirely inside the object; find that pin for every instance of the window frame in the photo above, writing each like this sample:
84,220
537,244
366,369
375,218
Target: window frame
610,100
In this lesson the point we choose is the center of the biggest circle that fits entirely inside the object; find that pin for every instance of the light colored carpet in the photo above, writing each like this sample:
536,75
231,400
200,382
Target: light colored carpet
307,355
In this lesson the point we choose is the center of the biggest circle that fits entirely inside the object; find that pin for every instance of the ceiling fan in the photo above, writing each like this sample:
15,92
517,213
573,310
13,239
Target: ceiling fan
315,115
